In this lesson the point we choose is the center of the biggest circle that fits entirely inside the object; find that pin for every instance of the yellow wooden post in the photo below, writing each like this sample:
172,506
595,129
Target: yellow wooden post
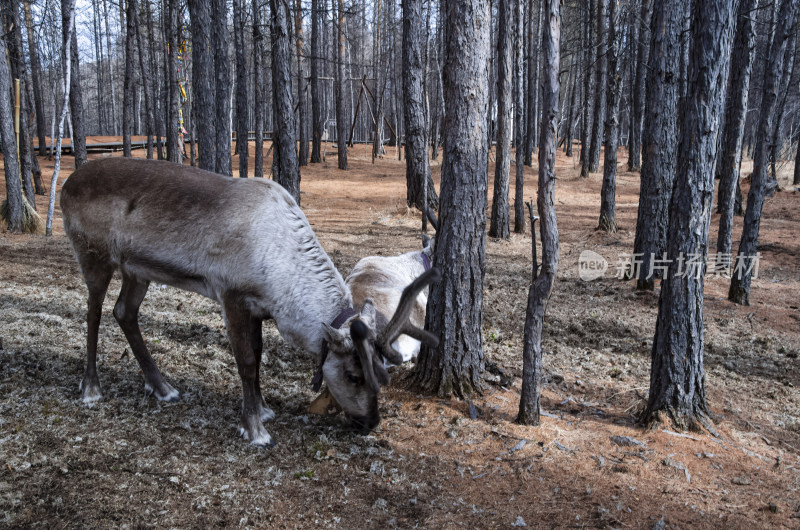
16,114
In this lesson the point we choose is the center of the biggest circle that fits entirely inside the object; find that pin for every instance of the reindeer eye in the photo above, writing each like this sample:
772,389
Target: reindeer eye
355,380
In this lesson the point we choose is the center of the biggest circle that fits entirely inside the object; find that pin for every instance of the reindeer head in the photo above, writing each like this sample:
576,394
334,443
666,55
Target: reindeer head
354,370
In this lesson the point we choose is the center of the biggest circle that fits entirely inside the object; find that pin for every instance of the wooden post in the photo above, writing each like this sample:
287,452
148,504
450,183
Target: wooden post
16,115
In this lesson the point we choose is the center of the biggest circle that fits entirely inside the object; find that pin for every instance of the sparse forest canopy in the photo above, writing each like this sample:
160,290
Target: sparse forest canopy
639,321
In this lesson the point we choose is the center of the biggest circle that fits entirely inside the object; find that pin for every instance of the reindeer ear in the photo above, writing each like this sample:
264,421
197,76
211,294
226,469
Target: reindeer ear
368,313
338,339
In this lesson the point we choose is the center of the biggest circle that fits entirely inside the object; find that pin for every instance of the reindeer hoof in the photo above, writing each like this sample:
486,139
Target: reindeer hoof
90,390
257,435
165,392
265,413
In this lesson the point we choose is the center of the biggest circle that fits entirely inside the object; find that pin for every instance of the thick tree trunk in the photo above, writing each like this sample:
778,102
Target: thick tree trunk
203,84
455,367
677,375
746,259
316,110
588,85
222,94
500,222
730,159
242,103
519,120
258,91
287,172
36,77
643,55
540,289
659,139
417,167
302,153
341,119
596,140
14,206
127,94
608,194
174,151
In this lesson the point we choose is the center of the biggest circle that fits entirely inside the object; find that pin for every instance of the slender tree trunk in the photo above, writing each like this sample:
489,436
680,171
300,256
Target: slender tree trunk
316,110
242,102
148,104
417,167
588,86
659,140
608,194
542,286
635,151
219,42
14,205
519,119
730,159
777,138
76,105
302,154
377,143
127,103
287,172
174,151
500,222
677,375
746,259
455,366
534,40
341,119
203,84
571,113
258,100
600,94
36,76
110,56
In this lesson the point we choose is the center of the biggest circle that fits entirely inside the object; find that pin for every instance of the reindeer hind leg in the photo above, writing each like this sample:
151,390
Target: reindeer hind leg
97,272
264,412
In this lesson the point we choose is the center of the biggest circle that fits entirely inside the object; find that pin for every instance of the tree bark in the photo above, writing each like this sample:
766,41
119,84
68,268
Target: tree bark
417,166
110,59
127,91
540,289
596,140
287,172
242,103
222,95
455,366
14,206
302,153
571,113
533,82
36,77
730,159
608,193
588,86
659,139
316,110
174,152
519,119
341,119
203,84
777,135
258,91
739,291
148,104
677,375
76,106
500,222
643,55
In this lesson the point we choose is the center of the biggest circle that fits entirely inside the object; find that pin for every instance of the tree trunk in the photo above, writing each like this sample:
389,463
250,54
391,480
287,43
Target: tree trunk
635,150
571,113
746,259
110,59
608,194
659,140
730,159
316,110
258,84
417,167
455,366
242,103
542,286
341,119
777,136
302,154
76,106
519,119
287,172
677,375
377,140
588,86
148,104
127,95
36,77
222,94
203,84
14,206
534,41
174,152
500,222
596,139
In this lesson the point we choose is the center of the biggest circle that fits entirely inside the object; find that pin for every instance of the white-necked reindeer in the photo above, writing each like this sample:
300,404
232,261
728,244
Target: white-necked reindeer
244,243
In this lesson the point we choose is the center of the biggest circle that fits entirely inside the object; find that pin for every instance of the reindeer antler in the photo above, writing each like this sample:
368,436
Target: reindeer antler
400,324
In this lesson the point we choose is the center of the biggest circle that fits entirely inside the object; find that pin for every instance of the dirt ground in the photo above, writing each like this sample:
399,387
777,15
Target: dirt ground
130,461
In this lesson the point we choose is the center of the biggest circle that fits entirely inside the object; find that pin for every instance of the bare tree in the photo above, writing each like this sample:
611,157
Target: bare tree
519,119
677,374
13,207
455,366
642,35
316,104
542,284
608,194
36,77
659,139
258,91
588,84
341,120
127,94
174,152
242,102
534,41
148,104
203,83
592,164
739,291
220,43
302,153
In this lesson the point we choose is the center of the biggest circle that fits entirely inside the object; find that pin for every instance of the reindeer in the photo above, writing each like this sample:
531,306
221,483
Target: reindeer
246,244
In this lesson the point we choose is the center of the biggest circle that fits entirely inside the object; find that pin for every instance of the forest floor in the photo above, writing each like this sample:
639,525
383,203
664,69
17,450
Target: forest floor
130,461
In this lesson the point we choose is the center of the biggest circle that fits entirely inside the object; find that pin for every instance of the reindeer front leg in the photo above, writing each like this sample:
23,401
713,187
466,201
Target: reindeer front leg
239,322
265,413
